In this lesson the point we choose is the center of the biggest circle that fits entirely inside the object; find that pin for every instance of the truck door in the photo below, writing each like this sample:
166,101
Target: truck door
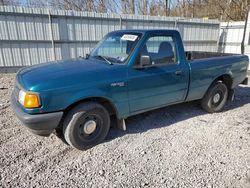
164,82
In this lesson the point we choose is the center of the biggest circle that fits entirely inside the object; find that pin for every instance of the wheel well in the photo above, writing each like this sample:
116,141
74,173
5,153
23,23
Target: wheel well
226,79
104,102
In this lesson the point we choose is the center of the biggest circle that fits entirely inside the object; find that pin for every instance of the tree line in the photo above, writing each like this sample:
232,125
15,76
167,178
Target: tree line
225,10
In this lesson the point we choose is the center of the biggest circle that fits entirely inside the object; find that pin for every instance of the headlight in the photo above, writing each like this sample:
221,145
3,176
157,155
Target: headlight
28,100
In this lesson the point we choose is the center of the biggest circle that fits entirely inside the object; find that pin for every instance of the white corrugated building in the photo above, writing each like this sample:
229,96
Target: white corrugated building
231,37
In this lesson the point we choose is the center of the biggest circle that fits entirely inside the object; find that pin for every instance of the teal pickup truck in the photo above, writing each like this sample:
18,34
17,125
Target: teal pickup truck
127,73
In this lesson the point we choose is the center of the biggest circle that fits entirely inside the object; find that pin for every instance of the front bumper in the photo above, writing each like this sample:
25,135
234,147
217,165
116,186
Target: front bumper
40,124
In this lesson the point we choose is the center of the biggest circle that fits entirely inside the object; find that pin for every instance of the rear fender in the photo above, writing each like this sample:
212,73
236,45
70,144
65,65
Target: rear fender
226,79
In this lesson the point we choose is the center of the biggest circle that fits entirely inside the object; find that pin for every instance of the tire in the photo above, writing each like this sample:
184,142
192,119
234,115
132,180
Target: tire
59,134
215,98
86,125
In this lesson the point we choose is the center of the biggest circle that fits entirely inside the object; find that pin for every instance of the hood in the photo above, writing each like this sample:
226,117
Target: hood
61,74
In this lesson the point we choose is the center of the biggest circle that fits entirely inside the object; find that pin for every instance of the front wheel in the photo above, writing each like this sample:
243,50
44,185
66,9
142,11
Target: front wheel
86,125
215,98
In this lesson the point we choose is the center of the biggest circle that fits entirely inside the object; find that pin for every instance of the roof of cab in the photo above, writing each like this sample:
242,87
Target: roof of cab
146,30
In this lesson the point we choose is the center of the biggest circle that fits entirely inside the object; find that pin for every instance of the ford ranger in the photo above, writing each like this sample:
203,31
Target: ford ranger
127,73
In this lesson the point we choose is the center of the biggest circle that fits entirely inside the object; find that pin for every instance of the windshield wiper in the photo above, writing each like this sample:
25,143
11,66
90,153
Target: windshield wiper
104,58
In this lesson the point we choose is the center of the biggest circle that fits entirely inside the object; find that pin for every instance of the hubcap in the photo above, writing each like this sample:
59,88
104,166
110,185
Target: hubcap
89,127
216,98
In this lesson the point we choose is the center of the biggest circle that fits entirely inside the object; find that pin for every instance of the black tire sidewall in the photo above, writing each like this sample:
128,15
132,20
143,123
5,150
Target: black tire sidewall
71,125
207,100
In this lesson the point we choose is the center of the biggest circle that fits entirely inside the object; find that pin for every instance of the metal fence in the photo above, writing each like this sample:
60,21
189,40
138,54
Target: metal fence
30,36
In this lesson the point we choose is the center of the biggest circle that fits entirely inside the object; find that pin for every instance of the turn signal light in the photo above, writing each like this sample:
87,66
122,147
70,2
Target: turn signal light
29,100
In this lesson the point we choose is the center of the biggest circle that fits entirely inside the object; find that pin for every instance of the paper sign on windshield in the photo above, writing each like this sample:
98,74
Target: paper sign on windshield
129,37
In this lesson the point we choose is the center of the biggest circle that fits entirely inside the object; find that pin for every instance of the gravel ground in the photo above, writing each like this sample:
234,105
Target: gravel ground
177,146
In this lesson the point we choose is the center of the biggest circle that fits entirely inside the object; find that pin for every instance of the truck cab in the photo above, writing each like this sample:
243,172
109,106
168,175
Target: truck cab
158,72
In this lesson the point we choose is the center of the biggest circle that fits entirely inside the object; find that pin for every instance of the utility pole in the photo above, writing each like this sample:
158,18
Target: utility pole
193,8
244,33
133,6
145,7
167,12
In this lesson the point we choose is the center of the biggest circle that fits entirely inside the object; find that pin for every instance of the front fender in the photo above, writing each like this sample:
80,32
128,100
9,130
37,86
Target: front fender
61,100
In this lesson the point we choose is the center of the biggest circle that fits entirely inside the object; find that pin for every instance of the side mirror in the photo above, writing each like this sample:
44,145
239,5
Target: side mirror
87,56
145,61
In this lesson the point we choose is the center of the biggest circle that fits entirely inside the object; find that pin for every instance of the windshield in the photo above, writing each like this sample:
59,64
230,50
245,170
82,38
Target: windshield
116,47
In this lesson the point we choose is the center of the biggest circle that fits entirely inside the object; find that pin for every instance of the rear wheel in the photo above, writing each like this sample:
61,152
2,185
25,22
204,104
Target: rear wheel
86,125
215,98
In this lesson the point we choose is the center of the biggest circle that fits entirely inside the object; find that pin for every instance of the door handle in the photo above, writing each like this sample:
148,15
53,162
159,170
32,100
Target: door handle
178,72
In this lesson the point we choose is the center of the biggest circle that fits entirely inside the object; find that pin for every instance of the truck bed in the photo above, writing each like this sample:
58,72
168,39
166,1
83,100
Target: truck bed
206,69
193,55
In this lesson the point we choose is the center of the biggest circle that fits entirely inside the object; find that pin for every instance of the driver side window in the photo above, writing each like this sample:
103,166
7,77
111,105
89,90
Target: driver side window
161,50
